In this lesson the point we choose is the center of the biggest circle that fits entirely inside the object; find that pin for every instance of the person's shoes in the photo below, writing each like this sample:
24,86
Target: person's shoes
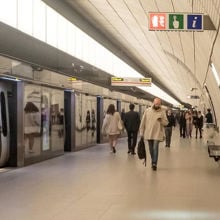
31,151
166,145
129,151
200,136
133,153
154,167
113,149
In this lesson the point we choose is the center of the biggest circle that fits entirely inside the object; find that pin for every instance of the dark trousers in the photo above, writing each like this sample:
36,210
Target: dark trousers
182,130
153,148
168,134
132,140
200,131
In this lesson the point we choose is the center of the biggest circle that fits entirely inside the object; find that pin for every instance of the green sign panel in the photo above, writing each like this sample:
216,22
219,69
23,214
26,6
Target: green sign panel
176,21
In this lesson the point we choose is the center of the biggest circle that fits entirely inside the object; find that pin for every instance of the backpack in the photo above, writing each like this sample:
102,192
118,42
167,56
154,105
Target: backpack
141,151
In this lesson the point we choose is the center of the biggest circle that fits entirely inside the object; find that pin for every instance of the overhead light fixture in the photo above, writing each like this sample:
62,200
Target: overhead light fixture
193,97
216,75
10,78
192,89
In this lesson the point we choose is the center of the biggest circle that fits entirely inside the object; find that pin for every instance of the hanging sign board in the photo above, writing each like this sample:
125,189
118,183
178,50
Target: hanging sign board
164,21
118,81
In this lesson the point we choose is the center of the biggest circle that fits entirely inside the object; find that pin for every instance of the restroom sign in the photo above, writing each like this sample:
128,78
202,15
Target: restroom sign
175,21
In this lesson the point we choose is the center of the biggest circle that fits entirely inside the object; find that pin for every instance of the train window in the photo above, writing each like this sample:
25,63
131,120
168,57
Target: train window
3,114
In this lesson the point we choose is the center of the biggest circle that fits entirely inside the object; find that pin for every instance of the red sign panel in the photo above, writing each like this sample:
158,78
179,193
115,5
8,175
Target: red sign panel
157,21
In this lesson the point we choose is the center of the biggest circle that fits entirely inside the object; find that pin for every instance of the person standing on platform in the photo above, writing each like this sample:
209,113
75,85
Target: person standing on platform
152,129
199,124
168,127
189,124
132,123
111,126
208,116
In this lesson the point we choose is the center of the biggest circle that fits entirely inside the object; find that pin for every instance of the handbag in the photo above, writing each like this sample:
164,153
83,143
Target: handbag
141,151
120,126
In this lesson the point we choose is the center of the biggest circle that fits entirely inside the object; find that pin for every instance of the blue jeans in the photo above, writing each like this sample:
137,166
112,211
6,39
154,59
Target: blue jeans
153,148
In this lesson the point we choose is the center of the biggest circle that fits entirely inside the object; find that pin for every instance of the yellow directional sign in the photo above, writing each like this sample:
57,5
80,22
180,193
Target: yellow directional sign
118,81
73,79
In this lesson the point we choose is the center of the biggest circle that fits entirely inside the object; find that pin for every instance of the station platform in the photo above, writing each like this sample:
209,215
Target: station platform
94,184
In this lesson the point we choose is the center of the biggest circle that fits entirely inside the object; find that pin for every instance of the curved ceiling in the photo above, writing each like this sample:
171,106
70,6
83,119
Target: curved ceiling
177,61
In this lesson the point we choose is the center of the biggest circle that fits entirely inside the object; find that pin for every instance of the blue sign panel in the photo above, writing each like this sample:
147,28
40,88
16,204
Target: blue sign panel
194,22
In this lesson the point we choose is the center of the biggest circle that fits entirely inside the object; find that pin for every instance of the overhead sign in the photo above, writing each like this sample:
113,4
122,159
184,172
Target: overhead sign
175,21
73,79
118,81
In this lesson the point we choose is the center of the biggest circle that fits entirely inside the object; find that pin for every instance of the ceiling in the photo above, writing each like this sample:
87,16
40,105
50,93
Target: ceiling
177,61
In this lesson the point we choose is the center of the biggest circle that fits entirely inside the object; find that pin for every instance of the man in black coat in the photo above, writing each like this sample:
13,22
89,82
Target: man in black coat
132,123
168,127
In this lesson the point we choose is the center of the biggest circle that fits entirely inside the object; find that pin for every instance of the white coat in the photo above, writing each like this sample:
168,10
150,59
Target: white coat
152,124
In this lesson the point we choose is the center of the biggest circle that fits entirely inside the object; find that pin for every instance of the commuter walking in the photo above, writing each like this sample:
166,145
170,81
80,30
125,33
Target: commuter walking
168,127
123,115
132,123
112,126
182,124
199,124
152,129
189,124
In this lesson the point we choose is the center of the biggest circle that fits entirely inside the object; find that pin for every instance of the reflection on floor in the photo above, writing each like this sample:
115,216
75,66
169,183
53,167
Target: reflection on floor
94,184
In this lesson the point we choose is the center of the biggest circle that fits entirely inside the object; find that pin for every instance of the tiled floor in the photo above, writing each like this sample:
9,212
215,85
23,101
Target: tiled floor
94,184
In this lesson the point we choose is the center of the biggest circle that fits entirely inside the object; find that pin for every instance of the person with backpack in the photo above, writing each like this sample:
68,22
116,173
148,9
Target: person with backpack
131,123
152,129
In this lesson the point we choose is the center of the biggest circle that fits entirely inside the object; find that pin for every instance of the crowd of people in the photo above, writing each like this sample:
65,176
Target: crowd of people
154,127
189,119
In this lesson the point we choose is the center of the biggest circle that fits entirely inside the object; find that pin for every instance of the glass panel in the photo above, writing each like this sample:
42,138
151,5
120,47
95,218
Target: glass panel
39,20
57,120
25,16
78,120
85,132
51,27
8,12
90,109
32,120
45,118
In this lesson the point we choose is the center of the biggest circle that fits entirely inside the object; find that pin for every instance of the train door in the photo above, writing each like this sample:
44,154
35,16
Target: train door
4,128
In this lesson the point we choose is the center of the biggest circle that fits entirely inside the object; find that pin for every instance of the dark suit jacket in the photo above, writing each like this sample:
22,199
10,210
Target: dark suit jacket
132,121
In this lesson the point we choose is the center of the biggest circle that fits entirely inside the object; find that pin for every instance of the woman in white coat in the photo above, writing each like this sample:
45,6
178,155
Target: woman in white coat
112,126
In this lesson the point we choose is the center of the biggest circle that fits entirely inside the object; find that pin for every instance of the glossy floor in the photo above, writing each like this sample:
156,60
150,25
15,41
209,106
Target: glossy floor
95,184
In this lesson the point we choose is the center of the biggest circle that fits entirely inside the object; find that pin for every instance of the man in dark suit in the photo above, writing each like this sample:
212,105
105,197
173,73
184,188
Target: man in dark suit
132,123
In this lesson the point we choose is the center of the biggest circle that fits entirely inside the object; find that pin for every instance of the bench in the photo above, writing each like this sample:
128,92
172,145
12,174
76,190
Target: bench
214,151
